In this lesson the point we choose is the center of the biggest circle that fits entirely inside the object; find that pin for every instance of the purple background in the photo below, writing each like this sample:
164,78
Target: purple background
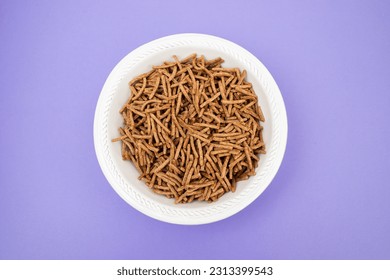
331,197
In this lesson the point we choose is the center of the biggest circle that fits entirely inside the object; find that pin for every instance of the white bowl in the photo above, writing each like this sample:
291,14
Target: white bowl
122,175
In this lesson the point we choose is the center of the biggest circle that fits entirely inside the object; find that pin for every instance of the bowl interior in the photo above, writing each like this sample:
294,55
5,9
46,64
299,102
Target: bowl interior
122,93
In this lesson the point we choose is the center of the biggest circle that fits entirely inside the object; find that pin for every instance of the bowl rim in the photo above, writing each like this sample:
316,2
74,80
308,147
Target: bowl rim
175,216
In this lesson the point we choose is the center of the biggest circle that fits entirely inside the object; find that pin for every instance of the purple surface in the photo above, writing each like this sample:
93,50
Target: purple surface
331,197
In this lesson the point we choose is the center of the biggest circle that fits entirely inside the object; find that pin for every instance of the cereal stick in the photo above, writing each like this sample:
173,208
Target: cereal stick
140,77
194,152
199,136
188,179
177,61
210,100
137,112
181,140
159,123
173,74
211,162
224,166
233,101
242,77
200,149
142,146
164,66
156,85
136,136
188,58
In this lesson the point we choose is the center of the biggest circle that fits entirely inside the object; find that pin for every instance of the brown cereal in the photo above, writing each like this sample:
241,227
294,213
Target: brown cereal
192,128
